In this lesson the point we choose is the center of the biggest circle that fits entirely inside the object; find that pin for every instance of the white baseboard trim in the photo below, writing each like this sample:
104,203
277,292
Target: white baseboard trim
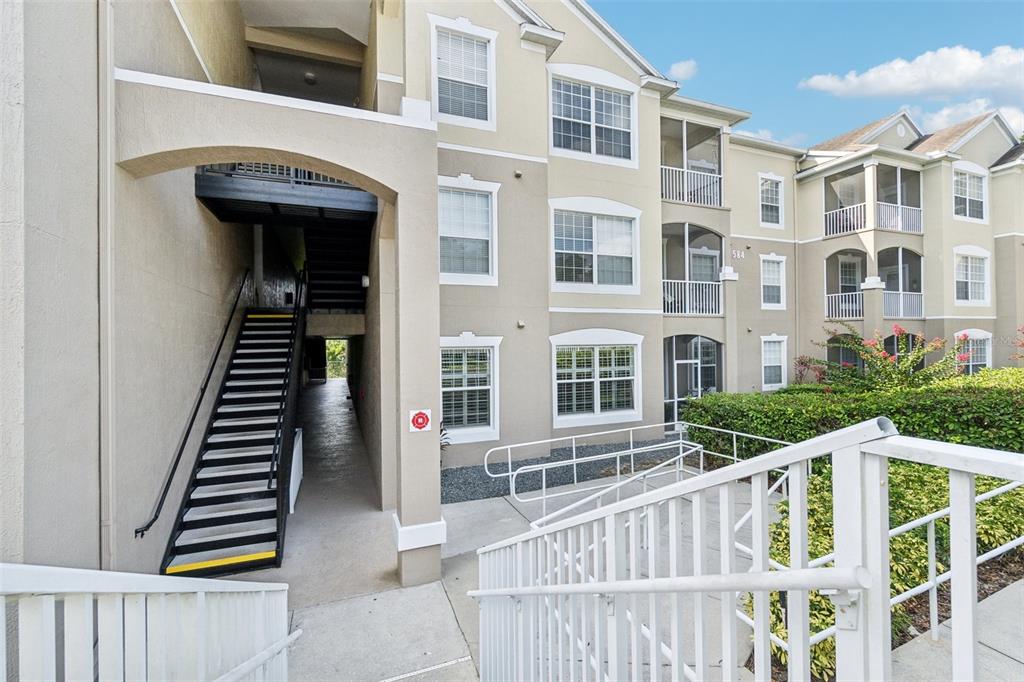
420,534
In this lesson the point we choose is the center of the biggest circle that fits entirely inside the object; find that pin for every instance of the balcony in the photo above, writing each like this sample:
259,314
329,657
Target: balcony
902,271
849,306
691,163
895,218
903,305
691,187
683,297
896,207
845,220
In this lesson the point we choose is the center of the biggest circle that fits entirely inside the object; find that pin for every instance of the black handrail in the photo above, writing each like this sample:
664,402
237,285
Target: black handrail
286,388
141,531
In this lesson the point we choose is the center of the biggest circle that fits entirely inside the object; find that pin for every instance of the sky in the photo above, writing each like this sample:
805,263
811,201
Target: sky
810,70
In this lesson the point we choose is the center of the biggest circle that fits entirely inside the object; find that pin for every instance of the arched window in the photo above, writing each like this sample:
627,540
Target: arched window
977,349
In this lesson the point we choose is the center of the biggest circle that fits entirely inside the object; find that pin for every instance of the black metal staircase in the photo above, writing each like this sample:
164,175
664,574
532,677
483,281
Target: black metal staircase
235,507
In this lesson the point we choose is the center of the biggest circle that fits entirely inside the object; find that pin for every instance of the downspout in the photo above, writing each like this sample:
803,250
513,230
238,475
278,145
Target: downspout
796,255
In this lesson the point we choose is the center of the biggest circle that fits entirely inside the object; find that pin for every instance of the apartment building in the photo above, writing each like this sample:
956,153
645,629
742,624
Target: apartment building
520,224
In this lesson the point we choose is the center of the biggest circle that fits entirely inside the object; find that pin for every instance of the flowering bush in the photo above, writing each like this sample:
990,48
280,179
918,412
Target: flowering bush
1019,342
882,370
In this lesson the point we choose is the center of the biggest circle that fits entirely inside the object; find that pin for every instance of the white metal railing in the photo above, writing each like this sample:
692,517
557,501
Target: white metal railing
132,626
274,172
844,220
848,306
684,297
690,186
896,218
598,595
902,304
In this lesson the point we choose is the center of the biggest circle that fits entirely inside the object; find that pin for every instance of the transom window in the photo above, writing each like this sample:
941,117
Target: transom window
773,275
968,195
462,75
466,387
971,278
773,362
771,201
594,379
593,249
591,119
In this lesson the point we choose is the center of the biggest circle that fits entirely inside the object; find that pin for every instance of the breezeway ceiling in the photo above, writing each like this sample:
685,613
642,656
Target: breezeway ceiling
349,17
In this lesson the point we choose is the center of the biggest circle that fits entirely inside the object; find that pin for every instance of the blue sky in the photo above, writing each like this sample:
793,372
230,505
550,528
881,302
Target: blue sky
755,55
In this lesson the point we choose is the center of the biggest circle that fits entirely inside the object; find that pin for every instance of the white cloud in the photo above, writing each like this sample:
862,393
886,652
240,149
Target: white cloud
960,111
946,72
683,71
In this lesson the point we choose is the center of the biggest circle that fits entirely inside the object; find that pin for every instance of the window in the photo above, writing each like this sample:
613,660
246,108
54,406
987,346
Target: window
849,275
773,362
976,354
596,382
771,200
773,282
971,275
467,226
463,73
968,195
594,251
469,387
593,115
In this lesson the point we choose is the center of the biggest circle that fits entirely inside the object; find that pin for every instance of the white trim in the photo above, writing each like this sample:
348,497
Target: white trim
418,535
767,239
533,47
895,119
478,434
198,87
996,117
1009,234
974,334
490,152
975,252
591,76
960,317
468,182
191,40
971,169
391,78
598,337
775,258
785,361
595,206
608,311
781,225
466,27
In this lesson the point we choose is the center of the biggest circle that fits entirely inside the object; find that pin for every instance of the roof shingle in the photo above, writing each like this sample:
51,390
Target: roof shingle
1015,152
942,140
845,141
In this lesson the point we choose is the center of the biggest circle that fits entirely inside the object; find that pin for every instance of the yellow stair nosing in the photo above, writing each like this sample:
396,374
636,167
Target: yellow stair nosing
226,561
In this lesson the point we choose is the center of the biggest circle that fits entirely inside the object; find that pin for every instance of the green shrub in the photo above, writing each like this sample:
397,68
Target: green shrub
984,410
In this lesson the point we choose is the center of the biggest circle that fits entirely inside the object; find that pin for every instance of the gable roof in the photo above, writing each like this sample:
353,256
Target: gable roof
849,139
942,140
616,41
1015,152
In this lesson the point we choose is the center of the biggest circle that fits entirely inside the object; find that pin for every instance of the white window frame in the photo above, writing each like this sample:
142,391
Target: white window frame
977,335
466,27
975,252
589,75
598,337
469,183
972,169
595,206
775,258
477,434
785,363
781,225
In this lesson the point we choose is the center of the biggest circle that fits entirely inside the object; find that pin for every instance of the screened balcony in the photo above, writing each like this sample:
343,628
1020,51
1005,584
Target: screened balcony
901,269
691,265
693,368
844,272
898,207
845,202
691,163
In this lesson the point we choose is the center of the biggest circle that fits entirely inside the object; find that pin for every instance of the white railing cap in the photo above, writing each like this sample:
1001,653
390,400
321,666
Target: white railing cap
32,579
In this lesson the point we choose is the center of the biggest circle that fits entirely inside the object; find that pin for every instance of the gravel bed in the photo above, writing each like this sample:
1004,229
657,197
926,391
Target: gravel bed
461,484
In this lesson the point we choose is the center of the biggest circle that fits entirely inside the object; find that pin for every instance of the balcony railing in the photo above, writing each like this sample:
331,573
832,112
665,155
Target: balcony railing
844,306
682,297
844,220
273,172
897,218
690,186
903,305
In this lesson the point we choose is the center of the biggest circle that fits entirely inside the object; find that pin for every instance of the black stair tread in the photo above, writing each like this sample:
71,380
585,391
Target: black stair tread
222,556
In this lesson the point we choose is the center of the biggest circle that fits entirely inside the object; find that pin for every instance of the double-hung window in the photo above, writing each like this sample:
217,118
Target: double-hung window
467,225
773,362
971,278
590,119
968,195
469,387
773,282
463,72
978,350
593,249
771,200
596,376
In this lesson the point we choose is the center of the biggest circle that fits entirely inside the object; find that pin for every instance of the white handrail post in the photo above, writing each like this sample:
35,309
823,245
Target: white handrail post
522,580
615,565
727,552
876,556
933,591
963,543
847,521
797,602
759,545
37,646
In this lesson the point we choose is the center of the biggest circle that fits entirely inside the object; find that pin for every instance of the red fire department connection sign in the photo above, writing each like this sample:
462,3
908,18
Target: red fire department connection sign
419,420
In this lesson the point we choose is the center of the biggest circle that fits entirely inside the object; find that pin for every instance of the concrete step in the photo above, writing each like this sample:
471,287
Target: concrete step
223,559
234,531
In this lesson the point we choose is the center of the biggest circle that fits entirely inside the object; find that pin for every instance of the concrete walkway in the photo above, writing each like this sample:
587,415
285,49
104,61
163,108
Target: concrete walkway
1000,650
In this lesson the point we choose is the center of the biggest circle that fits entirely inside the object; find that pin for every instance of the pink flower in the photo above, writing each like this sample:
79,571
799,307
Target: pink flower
883,354
892,359
827,389
847,364
963,357
898,330
962,337
870,343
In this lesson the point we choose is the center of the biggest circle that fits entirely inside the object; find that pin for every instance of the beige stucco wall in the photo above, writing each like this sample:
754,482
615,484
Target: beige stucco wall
218,31
148,37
